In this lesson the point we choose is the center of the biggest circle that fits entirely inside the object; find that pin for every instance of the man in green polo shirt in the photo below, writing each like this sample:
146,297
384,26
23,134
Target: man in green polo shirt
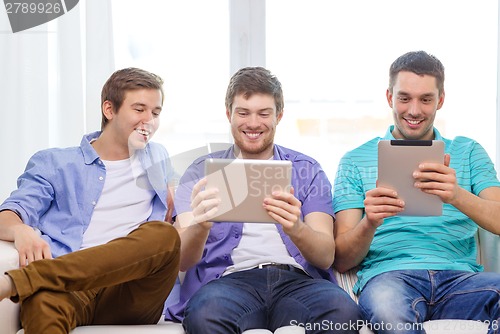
414,269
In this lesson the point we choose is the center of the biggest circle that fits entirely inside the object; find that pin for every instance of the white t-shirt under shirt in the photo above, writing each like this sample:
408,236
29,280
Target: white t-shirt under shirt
126,201
259,244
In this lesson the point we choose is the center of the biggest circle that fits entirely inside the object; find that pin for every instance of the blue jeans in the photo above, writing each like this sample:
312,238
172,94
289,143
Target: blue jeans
270,298
400,301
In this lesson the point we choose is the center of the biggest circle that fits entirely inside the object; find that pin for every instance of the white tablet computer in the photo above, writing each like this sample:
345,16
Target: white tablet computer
397,160
243,184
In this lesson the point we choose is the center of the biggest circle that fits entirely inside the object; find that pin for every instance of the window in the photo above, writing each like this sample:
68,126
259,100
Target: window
187,44
333,60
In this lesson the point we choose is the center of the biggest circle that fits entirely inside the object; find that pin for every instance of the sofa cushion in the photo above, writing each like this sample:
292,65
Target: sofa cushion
166,328
347,280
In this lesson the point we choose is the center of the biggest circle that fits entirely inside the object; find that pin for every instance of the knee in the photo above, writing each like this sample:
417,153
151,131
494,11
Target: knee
386,290
47,312
200,310
349,308
384,295
162,234
330,302
345,308
370,301
387,306
207,298
212,300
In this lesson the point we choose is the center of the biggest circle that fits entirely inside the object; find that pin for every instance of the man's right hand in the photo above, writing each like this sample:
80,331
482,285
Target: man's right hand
381,203
205,204
30,245
194,226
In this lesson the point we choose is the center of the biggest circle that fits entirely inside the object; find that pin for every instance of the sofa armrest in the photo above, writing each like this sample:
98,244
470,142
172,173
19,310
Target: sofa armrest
489,250
9,311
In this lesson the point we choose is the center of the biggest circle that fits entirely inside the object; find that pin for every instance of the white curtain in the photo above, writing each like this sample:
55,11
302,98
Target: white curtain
50,82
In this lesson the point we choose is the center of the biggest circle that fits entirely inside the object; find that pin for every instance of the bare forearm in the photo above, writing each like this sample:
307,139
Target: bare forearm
193,241
9,221
317,248
482,211
352,246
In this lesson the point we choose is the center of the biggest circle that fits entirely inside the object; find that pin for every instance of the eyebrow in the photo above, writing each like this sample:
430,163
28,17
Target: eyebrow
246,109
401,93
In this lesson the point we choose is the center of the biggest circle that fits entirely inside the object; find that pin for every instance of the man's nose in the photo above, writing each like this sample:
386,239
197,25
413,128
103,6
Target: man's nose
148,118
414,108
253,120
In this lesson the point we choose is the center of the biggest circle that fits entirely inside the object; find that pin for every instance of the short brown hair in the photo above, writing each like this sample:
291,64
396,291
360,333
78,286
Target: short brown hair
124,80
418,62
251,80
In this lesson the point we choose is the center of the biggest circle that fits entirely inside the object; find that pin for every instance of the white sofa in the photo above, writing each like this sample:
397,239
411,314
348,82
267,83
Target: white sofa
488,256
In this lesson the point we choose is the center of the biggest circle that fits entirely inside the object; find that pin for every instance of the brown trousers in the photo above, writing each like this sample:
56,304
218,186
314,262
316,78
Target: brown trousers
125,281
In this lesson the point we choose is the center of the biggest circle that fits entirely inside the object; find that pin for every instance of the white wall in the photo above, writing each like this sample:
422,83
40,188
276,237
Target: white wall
50,82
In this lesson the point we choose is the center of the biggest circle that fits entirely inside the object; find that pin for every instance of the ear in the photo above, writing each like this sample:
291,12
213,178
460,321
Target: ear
388,95
278,118
228,114
107,110
441,100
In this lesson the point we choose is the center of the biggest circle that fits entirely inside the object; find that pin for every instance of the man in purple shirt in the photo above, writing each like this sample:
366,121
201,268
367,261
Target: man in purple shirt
249,275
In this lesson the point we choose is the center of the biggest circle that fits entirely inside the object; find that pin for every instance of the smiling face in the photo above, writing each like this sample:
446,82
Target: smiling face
253,125
133,125
414,100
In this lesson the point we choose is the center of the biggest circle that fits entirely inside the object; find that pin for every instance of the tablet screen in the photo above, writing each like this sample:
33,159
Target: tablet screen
243,184
397,160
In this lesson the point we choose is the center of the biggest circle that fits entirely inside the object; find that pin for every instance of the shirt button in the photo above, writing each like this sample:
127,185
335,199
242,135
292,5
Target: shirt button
236,236
101,178
94,203
217,276
226,257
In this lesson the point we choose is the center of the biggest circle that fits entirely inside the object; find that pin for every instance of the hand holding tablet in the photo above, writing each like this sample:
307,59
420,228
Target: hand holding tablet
397,160
243,184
